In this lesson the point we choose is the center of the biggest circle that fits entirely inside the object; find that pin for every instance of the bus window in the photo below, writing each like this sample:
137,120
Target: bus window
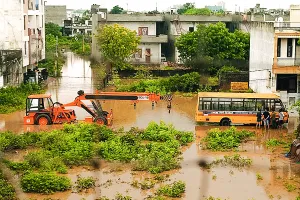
200,104
260,105
237,105
206,103
278,105
249,104
215,104
224,104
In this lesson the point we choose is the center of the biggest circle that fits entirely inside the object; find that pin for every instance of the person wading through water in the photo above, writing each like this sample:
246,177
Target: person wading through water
258,119
266,118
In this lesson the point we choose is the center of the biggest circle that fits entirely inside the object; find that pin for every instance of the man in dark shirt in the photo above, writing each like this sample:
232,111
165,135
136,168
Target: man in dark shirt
266,115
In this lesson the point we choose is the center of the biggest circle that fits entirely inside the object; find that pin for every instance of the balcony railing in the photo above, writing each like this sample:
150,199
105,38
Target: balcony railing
285,62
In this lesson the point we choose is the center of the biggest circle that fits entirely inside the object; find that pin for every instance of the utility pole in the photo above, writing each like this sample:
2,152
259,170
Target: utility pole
56,56
83,43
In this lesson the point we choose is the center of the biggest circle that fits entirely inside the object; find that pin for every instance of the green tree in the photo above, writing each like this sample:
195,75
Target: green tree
197,11
53,29
211,47
185,7
117,44
116,10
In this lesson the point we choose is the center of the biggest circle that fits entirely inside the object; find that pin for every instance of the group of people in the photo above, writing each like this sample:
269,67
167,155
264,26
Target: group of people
269,119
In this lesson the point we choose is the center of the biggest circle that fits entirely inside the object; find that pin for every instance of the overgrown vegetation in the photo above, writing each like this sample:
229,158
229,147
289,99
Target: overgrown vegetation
44,183
78,144
7,191
79,44
189,82
14,98
234,160
225,140
85,183
211,47
175,189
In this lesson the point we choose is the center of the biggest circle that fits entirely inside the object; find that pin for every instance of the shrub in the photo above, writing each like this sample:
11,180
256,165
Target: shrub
44,183
158,157
274,143
163,132
224,140
175,189
7,191
14,98
234,160
186,83
85,183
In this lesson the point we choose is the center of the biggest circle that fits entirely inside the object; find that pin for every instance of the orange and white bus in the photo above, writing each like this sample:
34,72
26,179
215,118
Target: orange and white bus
236,108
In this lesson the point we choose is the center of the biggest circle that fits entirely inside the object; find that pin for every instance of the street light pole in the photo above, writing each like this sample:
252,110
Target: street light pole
56,56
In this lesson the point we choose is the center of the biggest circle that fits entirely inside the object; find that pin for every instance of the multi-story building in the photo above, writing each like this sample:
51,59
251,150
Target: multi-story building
151,28
22,25
275,57
179,24
55,14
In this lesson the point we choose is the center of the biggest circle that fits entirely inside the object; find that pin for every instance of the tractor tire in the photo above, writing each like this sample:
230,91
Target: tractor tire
105,113
43,119
101,120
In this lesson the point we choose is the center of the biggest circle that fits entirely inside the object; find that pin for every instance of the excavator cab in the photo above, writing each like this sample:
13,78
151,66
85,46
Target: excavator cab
38,110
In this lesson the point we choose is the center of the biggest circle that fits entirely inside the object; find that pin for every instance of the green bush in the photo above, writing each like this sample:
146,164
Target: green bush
175,189
11,141
7,191
14,98
85,183
44,183
163,132
224,140
186,83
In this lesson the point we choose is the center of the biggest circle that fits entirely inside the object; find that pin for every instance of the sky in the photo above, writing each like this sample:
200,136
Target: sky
139,5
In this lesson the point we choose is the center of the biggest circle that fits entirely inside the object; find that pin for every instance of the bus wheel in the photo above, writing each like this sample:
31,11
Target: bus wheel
225,122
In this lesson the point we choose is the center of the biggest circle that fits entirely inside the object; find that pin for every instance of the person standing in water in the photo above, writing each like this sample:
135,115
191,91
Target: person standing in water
258,119
267,118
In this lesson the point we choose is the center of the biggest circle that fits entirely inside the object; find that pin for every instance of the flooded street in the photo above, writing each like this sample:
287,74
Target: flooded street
229,183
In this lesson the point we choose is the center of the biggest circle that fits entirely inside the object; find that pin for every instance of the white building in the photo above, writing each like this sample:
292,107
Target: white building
275,57
22,28
150,28
180,24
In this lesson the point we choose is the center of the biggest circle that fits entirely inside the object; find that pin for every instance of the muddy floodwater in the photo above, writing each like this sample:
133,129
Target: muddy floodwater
113,178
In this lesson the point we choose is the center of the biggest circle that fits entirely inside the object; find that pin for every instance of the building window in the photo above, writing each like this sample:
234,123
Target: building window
279,47
25,48
191,29
24,22
143,31
290,47
138,54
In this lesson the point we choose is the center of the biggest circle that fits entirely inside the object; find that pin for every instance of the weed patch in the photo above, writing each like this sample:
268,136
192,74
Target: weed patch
44,183
175,189
234,160
259,177
121,197
14,98
85,183
225,140
290,187
7,191
274,143
186,83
